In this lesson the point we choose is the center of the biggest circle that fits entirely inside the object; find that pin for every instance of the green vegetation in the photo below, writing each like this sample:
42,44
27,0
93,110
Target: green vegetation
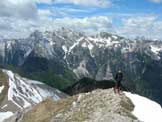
47,75
50,78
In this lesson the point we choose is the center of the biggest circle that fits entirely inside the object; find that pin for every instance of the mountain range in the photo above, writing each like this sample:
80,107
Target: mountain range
62,57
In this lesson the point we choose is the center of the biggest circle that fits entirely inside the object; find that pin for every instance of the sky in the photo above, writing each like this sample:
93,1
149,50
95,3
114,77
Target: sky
128,18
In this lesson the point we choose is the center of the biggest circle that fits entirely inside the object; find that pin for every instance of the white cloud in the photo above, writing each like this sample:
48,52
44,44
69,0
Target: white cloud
147,26
18,8
16,28
45,1
18,18
89,25
44,12
22,28
156,1
95,3
141,22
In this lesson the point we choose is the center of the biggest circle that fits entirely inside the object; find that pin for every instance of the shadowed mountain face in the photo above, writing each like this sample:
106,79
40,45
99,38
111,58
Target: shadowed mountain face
61,57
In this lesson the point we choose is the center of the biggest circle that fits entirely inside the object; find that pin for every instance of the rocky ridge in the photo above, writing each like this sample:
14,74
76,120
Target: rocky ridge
95,106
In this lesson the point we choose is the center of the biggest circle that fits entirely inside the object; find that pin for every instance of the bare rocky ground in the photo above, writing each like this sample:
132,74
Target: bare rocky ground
95,106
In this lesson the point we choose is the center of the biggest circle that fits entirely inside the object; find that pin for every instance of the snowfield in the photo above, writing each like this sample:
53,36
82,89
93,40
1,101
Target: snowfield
1,88
5,115
145,109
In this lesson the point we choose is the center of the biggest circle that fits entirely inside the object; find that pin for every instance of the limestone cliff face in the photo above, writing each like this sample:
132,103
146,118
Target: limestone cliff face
95,106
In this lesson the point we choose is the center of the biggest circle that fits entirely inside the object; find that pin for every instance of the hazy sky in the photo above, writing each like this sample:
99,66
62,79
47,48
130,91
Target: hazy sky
130,18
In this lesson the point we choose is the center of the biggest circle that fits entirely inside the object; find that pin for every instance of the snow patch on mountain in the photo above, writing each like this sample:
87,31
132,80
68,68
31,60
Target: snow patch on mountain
27,53
115,37
4,106
75,44
5,115
81,70
104,42
89,45
1,88
145,109
65,50
155,49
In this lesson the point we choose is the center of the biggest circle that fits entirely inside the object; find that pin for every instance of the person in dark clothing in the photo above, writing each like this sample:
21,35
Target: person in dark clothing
118,79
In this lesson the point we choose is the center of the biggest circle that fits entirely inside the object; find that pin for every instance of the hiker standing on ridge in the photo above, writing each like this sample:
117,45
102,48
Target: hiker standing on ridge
118,79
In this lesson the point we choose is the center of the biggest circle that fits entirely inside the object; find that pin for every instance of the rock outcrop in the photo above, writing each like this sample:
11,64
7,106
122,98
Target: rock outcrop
96,106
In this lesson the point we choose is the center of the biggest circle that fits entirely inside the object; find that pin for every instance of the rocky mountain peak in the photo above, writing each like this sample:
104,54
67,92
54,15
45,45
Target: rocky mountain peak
36,35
